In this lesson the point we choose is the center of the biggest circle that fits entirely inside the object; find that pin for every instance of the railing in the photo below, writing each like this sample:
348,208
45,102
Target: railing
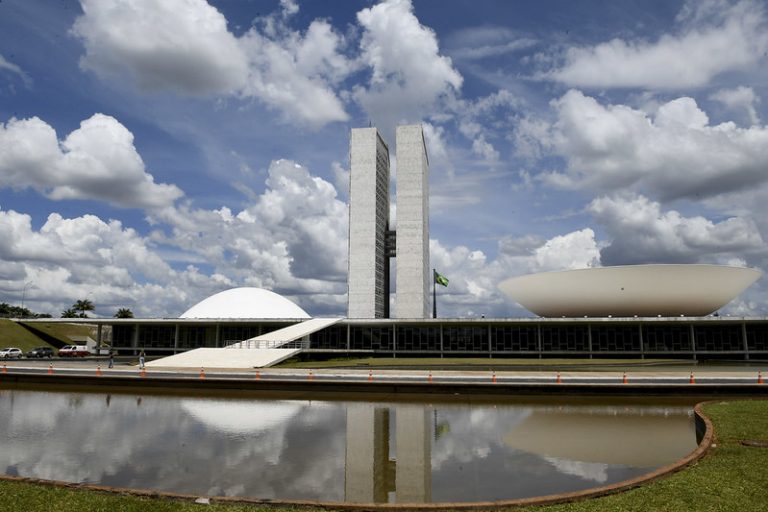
254,344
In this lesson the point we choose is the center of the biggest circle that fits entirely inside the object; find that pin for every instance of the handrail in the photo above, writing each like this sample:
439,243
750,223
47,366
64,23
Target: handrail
263,344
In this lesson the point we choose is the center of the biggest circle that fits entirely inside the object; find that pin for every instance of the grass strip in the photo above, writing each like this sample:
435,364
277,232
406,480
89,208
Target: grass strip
480,362
731,477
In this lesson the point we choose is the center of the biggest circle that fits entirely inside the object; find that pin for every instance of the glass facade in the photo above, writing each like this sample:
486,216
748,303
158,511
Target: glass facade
742,338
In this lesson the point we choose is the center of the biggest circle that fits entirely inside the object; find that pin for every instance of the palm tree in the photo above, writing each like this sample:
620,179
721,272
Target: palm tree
82,306
69,313
124,313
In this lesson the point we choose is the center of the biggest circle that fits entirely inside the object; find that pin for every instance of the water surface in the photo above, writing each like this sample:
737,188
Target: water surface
336,450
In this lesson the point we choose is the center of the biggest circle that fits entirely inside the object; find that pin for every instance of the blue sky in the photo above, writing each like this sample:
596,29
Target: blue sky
155,152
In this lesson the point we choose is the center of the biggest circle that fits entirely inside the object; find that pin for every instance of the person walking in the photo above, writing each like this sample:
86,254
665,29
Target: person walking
141,360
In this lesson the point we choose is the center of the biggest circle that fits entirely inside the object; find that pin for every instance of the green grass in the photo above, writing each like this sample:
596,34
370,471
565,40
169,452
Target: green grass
731,477
13,335
476,362
62,331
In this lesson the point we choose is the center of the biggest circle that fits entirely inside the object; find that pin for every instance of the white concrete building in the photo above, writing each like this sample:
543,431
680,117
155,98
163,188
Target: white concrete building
371,243
368,280
412,298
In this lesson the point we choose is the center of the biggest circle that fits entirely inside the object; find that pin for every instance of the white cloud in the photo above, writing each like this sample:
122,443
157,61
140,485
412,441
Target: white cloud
293,239
13,68
713,37
485,119
640,232
340,178
675,154
741,98
408,73
97,161
69,259
290,7
472,290
485,150
181,45
295,73
185,46
486,41
437,148
571,251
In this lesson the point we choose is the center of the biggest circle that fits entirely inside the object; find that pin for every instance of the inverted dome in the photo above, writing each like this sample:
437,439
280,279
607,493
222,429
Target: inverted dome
641,290
245,303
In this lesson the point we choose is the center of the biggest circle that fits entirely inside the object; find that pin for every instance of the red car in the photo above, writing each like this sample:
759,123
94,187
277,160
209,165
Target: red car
74,351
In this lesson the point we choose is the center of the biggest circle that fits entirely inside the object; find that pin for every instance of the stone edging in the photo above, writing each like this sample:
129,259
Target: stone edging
702,422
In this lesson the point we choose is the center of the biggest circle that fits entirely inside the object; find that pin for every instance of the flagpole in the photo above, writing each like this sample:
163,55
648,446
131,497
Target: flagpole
434,293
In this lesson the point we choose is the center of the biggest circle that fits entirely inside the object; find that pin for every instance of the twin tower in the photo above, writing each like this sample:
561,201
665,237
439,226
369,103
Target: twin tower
371,240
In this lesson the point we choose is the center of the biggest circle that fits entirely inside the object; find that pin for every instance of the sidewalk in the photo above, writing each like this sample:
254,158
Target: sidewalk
751,381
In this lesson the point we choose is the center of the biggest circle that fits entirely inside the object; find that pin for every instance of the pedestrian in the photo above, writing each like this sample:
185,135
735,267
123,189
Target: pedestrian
141,360
111,359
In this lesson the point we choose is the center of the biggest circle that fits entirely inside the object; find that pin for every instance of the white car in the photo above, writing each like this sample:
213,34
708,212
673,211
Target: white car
10,353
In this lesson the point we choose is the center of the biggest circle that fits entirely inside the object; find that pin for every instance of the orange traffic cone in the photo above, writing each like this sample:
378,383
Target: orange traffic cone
558,380
493,378
202,373
5,370
142,372
258,375
370,375
759,377
624,379
50,368
429,379
692,380
98,371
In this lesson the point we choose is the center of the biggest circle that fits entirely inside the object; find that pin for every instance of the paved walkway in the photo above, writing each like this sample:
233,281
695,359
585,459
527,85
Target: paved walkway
546,377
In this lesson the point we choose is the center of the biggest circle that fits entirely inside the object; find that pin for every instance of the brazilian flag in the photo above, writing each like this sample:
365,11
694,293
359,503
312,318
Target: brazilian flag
440,279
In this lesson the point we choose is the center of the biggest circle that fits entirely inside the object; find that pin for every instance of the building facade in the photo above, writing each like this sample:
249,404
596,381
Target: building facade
368,279
657,337
412,298
371,242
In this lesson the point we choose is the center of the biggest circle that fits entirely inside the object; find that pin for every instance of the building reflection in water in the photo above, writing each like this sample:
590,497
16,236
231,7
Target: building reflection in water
370,474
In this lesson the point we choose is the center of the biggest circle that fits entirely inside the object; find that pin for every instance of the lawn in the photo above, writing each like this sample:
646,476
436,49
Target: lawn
14,335
481,363
731,477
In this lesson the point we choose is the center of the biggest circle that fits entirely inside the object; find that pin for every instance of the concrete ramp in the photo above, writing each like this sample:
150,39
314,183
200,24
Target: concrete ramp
225,358
286,336
259,352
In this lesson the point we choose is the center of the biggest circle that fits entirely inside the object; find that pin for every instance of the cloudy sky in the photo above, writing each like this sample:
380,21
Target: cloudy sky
153,152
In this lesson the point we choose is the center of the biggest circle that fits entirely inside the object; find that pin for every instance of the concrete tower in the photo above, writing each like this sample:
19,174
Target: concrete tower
412,261
368,279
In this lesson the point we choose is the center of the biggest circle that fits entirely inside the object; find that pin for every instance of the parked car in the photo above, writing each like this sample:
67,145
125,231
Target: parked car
74,351
39,352
10,353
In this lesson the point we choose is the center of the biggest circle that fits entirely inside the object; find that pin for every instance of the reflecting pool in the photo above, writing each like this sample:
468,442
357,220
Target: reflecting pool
337,449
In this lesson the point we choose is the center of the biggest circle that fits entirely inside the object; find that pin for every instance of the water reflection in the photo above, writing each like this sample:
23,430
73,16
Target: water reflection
334,450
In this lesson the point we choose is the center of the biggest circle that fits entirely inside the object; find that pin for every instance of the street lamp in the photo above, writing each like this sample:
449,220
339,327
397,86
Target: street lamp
24,292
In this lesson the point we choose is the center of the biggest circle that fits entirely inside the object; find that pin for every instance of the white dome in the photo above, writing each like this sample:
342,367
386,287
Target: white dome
245,303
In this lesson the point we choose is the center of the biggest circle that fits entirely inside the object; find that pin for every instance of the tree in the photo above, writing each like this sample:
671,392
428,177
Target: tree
8,311
69,313
124,313
82,306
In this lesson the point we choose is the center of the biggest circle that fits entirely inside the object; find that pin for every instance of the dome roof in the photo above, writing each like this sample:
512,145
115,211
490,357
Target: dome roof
641,290
245,303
